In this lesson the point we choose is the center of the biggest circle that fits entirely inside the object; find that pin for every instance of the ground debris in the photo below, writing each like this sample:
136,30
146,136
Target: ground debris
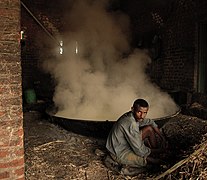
54,153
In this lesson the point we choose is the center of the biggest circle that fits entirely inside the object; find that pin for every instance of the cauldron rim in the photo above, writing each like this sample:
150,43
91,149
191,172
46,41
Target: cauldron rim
98,129
51,111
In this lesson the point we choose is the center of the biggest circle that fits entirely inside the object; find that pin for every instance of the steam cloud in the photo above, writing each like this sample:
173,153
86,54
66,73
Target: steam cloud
94,81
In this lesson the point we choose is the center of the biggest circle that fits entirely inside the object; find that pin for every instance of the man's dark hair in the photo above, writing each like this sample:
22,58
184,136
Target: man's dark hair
140,103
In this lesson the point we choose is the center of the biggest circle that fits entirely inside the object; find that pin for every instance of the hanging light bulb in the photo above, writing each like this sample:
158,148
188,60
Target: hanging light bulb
61,47
76,47
22,35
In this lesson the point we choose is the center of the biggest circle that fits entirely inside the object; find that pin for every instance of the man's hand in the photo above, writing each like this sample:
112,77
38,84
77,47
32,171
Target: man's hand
164,143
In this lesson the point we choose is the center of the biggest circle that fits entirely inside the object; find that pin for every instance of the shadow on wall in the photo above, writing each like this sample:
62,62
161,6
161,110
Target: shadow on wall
197,107
181,98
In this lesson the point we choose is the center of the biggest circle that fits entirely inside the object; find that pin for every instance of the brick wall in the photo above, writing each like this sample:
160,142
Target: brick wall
11,118
176,23
179,47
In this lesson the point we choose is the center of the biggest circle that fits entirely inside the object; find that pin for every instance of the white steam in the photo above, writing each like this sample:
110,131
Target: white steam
97,83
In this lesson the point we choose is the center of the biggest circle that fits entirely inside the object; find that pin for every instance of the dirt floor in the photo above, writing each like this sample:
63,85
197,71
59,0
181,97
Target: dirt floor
52,152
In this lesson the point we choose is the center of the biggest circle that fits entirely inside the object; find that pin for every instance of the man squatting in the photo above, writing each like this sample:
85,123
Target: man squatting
133,140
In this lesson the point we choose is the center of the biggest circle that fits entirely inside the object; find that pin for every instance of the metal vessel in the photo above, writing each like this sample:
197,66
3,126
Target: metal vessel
99,128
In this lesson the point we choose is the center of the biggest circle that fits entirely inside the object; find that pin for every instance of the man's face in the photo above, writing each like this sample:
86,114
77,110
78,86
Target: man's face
140,113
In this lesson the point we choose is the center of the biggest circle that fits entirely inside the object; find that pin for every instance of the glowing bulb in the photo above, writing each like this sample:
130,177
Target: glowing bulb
76,47
22,35
61,50
61,47
61,43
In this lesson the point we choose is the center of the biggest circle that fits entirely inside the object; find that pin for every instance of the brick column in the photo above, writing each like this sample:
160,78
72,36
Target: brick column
11,116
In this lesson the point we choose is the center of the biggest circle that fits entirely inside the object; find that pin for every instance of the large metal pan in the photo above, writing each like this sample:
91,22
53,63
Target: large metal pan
99,128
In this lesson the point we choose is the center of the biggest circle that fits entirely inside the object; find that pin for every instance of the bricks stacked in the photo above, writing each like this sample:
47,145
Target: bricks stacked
11,116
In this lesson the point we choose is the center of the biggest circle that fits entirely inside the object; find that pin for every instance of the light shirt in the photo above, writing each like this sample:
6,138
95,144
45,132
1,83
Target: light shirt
126,136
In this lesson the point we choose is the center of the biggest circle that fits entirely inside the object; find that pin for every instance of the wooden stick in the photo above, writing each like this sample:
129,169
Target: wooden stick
108,175
86,176
180,163
43,145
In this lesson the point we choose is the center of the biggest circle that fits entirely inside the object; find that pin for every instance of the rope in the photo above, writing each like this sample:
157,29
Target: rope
47,32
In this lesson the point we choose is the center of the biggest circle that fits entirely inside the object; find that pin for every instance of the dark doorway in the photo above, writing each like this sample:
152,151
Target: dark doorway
202,67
